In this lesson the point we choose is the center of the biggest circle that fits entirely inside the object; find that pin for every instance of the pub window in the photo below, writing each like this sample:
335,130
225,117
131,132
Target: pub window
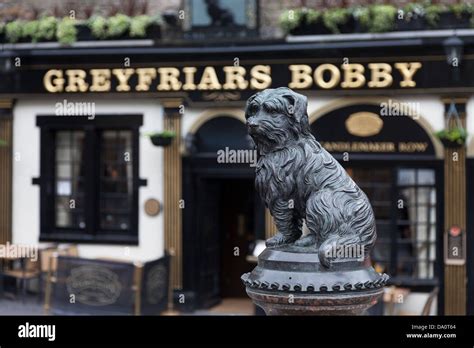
69,183
405,207
416,223
89,179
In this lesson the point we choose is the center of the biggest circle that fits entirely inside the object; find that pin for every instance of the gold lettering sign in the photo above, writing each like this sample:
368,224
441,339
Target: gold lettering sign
261,78
230,78
353,76
335,76
100,80
412,146
358,146
370,146
408,70
53,81
364,124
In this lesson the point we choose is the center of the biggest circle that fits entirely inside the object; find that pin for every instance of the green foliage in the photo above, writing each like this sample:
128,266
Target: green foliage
413,10
13,31
334,18
139,24
39,30
33,31
47,28
30,30
163,134
98,27
432,13
66,32
375,18
456,135
118,25
362,15
462,8
291,19
312,16
383,18
3,142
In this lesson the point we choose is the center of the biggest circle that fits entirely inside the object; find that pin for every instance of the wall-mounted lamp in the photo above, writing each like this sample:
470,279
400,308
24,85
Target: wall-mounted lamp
453,47
5,65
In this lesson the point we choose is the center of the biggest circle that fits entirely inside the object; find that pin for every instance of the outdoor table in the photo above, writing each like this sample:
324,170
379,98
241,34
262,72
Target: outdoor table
4,260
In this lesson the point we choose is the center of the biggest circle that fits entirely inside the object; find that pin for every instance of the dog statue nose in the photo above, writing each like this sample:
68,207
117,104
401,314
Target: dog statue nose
252,124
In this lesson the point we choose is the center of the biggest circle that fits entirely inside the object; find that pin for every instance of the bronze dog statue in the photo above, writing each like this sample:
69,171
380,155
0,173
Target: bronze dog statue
299,180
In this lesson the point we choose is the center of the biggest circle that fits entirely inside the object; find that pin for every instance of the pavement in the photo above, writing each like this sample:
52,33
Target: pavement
29,306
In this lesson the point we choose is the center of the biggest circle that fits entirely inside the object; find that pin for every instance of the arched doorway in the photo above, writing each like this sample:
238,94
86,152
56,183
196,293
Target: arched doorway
395,161
223,214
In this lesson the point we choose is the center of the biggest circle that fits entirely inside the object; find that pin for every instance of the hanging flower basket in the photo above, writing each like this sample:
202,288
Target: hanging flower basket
162,139
454,135
452,138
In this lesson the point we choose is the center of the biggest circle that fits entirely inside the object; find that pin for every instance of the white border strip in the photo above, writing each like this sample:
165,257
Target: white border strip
382,36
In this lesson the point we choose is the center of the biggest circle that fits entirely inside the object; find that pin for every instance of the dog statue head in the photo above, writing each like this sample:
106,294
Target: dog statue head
276,117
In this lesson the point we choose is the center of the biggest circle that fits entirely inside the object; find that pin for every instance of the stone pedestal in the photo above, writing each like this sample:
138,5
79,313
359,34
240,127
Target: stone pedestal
292,281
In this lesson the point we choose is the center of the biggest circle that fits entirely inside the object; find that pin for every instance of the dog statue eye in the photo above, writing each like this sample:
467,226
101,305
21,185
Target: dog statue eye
253,108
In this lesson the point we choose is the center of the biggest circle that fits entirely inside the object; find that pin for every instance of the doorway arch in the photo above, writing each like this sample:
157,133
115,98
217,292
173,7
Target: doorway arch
416,117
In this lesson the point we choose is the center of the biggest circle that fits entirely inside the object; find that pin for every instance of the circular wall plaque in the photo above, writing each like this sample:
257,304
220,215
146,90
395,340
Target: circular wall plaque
364,124
152,207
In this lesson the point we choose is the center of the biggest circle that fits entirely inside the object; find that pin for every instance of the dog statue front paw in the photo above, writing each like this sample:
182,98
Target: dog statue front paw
279,239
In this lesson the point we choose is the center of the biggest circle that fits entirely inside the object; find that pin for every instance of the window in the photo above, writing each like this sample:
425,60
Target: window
416,223
405,208
69,168
89,179
220,19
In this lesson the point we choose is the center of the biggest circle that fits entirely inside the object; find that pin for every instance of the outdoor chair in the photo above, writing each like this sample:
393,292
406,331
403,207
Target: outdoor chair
28,271
429,302
49,262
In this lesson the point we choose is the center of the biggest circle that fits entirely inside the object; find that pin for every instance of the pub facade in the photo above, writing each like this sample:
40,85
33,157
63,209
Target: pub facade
78,164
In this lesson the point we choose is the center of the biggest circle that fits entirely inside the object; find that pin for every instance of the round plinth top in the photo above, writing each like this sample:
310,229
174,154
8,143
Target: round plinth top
292,270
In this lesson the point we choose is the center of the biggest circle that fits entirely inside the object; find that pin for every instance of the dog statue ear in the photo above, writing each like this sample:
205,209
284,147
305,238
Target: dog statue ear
291,104
296,105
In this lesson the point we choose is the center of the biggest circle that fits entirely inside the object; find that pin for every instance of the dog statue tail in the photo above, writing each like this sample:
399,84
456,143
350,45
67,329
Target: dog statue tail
354,243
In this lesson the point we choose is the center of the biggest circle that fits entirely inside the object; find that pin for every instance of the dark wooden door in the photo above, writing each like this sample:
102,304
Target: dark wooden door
237,224
208,240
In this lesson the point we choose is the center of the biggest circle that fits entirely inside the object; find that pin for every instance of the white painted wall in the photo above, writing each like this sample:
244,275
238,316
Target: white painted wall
431,109
26,196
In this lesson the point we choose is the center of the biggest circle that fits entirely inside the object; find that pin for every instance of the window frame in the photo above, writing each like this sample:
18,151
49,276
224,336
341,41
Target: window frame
412,162
92,233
